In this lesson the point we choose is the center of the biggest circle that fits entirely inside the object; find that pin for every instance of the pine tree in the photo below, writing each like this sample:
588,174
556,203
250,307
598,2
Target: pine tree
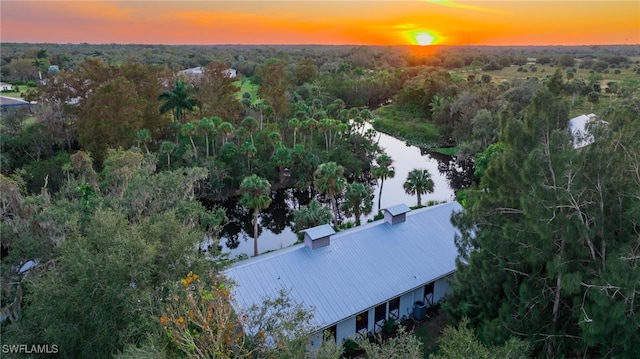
549,243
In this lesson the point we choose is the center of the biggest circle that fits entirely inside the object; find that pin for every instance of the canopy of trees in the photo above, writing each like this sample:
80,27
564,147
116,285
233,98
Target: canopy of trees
112,181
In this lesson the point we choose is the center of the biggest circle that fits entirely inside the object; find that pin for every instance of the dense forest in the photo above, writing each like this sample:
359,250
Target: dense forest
114,174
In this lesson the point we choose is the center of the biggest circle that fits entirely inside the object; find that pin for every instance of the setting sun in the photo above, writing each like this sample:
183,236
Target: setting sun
424,38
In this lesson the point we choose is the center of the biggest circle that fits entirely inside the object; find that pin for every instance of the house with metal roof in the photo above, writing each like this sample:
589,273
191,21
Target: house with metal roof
199,71
356,279
578,129
7,103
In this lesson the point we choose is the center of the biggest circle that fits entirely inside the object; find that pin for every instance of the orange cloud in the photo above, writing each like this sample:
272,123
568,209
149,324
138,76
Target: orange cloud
458,5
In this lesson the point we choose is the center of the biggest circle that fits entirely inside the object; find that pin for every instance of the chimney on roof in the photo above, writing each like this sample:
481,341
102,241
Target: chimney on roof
318,237
396,214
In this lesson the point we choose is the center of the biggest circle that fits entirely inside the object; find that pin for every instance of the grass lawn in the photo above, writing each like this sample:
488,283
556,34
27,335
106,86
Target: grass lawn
251,88
580,105
23,89
543,71
429,332
401,125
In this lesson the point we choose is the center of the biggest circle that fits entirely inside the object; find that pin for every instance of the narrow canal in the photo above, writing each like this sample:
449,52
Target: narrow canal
276,221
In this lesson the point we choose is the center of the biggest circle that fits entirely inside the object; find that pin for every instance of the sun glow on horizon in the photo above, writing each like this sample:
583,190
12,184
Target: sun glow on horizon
423,38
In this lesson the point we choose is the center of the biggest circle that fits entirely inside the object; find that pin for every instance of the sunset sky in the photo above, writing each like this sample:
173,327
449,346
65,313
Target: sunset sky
358,22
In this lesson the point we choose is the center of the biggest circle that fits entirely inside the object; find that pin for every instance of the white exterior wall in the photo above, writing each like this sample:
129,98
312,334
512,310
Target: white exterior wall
406,305
441,288
346,328
316,340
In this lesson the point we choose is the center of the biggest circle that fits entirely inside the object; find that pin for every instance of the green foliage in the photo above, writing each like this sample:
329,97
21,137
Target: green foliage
389,325
402,345
177,100
461,343
274,82
107,249
46,173
92,303
541,229
418,182
418,134
311,215
256,195
484,158
350,347
383,169
329,180
357,201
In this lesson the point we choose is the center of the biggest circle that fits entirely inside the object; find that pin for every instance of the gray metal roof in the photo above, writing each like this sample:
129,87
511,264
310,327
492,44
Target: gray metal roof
319,231
397,209
361,268
578,129
6,102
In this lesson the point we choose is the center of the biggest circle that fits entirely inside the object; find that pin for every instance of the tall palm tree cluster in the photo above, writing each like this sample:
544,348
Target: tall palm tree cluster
329,180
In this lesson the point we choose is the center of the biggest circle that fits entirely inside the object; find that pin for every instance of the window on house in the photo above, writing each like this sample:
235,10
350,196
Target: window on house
362,323
394,308
380,314
428,294
330,333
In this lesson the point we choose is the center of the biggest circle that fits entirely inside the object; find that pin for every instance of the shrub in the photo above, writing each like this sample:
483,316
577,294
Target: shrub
351,347
389,325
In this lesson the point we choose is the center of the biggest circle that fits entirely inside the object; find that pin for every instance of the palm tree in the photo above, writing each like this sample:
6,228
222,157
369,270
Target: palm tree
283,158
357,201
144,136
167,147
249,150
189,129
418,182
251,124
256,195
325,126
177,100
329,180
39,65
295,124
226,129
206,126
275,138
383,170
308,126
311,215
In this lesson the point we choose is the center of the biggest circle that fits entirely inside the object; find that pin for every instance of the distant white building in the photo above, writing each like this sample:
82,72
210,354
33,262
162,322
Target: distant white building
578,126
5,87
198,71
356,279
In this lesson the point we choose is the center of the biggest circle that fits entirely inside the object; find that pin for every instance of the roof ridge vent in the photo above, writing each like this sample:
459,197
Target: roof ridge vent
318,237
396,214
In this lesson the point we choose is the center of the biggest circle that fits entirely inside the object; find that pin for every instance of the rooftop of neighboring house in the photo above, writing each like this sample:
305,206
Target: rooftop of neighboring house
6,102
579,129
